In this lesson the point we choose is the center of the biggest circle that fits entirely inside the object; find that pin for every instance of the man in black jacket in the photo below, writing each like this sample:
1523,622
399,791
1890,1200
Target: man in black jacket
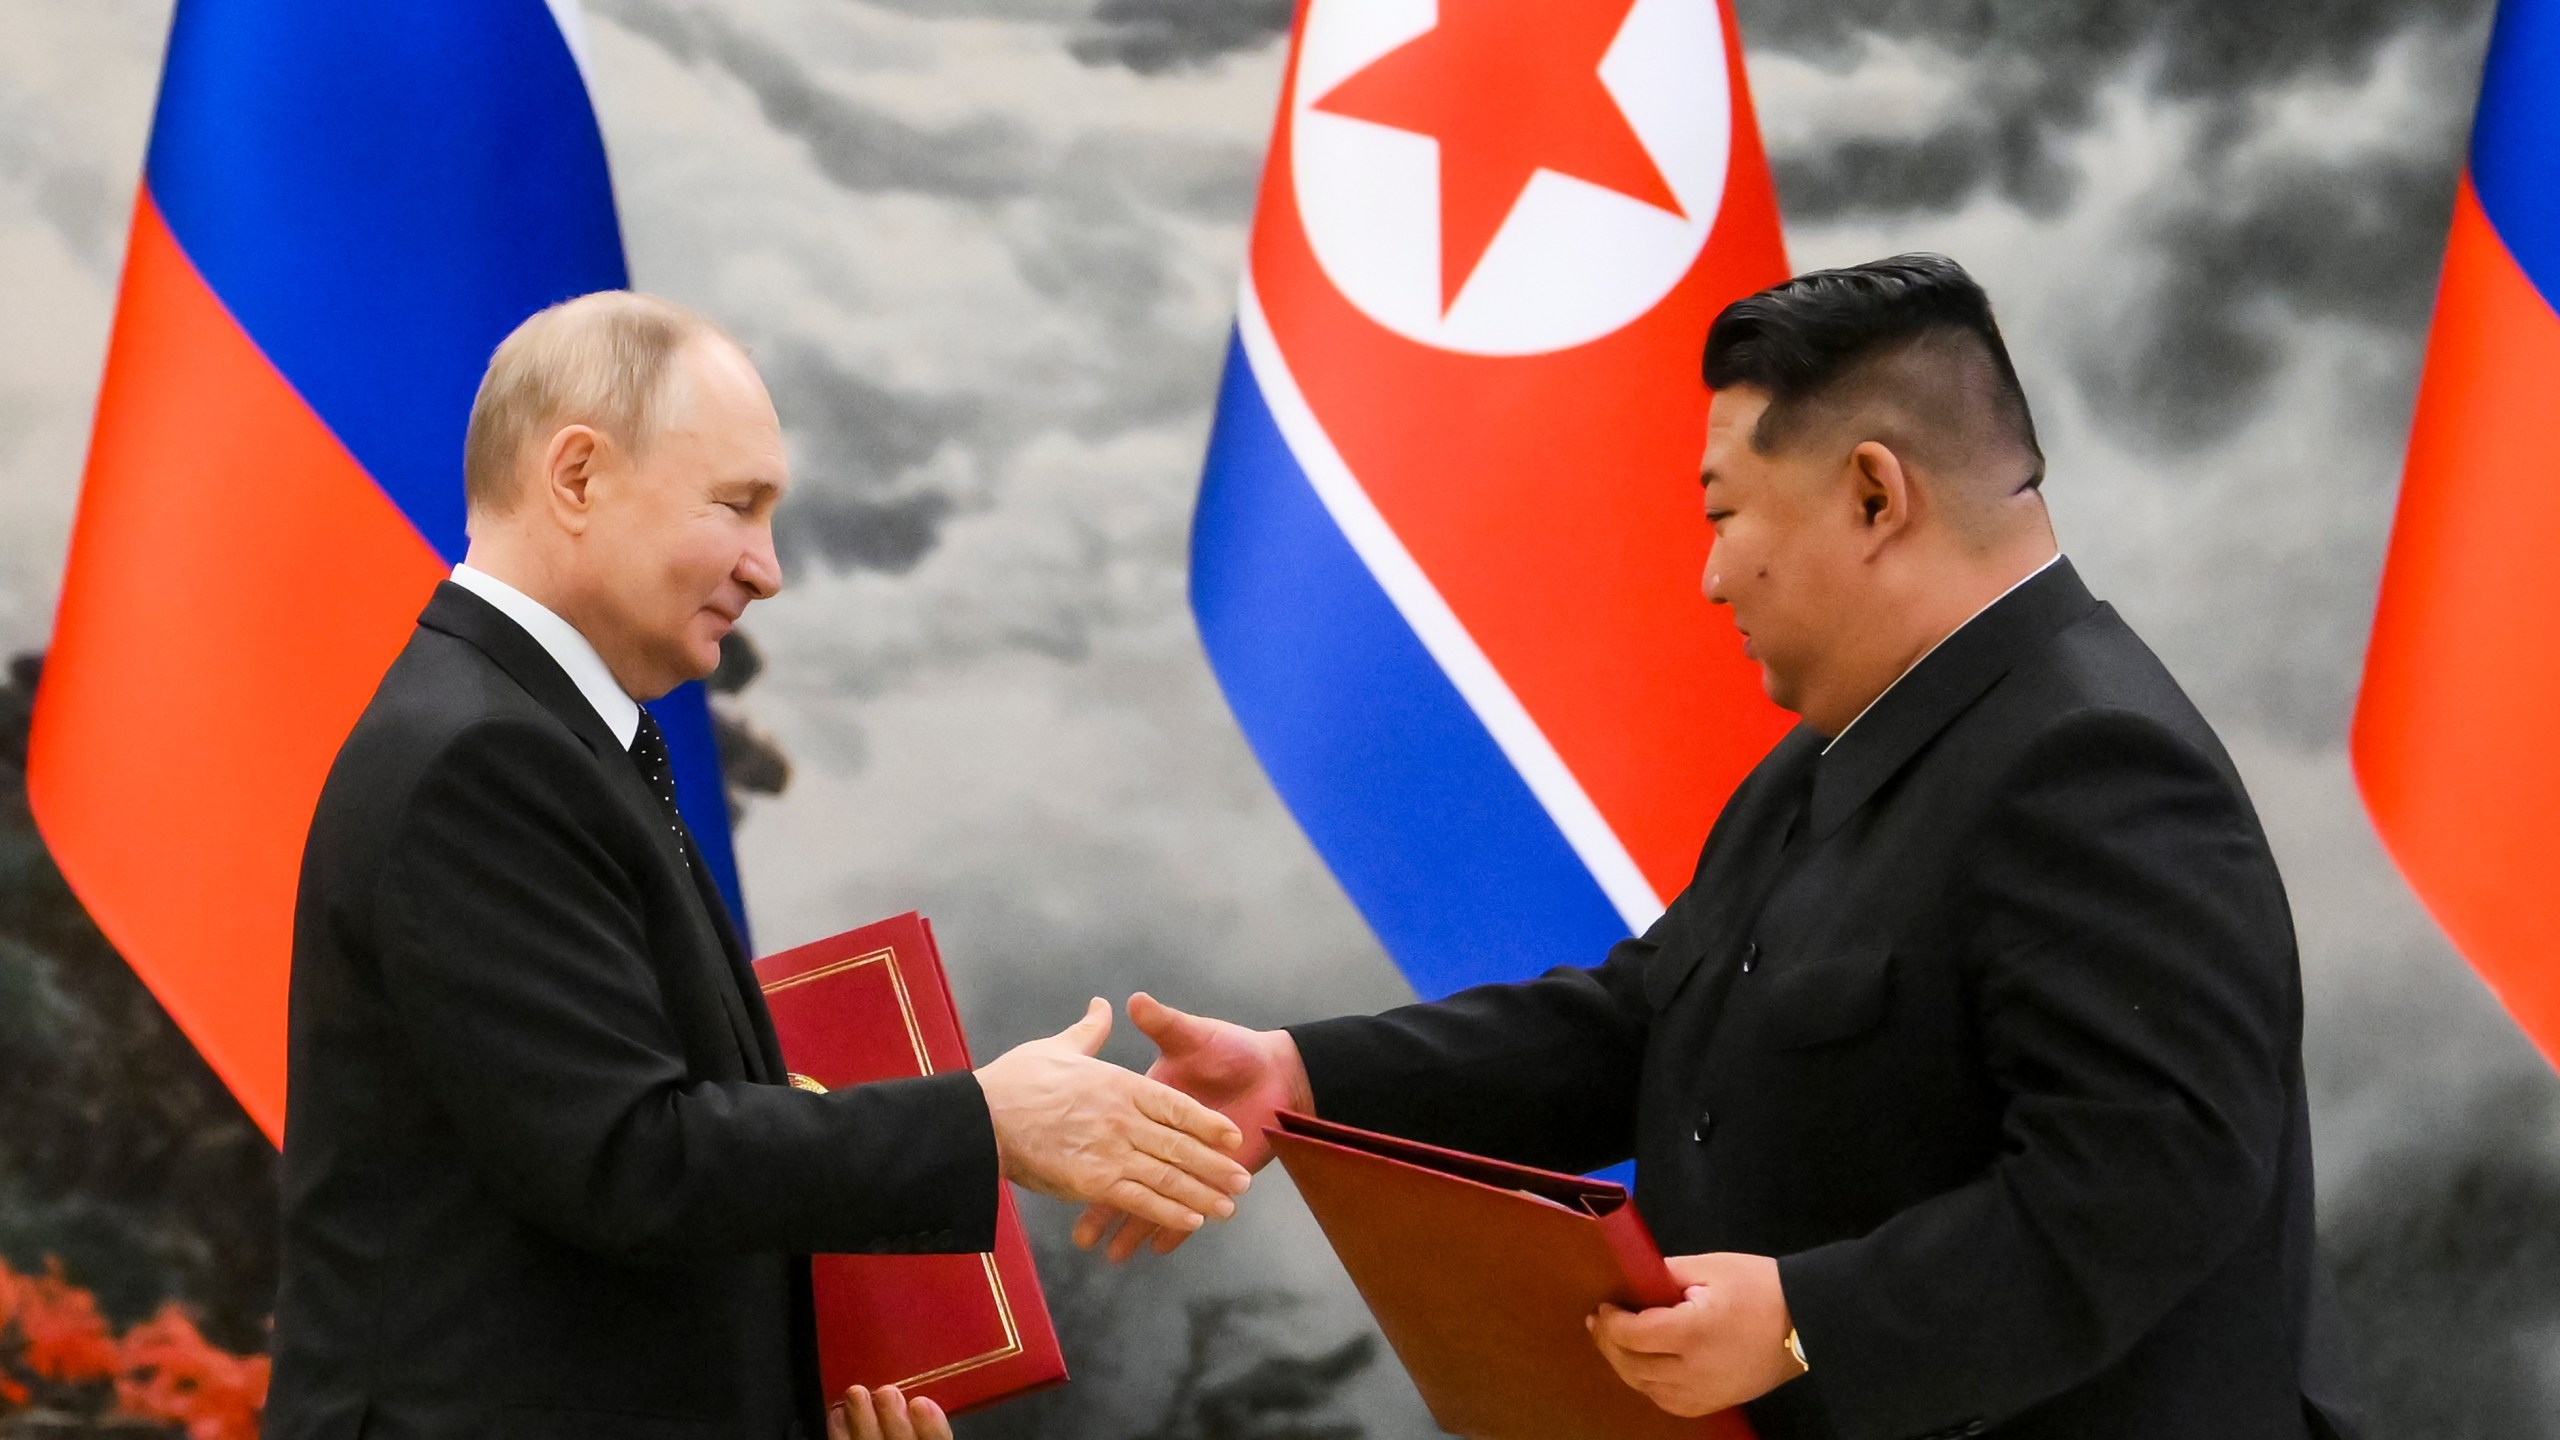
1965,1077
543,1174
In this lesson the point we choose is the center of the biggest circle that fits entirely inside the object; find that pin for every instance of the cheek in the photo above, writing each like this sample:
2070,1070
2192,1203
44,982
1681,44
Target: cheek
1742,557
702,560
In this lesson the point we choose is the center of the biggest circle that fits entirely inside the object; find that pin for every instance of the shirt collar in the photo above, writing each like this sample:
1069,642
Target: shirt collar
568,649
2055,559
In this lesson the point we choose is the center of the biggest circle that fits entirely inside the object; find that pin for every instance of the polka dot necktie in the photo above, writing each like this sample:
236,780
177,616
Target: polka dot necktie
649,752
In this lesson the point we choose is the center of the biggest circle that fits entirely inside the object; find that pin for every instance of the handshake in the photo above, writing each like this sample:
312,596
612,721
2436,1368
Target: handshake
1153,1157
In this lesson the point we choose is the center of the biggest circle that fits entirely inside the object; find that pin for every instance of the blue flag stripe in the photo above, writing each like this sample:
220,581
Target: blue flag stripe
1429,829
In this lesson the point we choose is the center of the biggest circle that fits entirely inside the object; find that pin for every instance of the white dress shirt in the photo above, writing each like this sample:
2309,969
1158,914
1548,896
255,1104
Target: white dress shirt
1925,654
587,670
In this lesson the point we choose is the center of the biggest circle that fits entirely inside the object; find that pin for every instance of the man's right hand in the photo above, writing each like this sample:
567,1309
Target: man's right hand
1078,1128
1249,1076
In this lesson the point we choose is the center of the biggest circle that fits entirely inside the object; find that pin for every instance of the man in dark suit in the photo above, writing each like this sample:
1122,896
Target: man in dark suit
1965,1077
543,1174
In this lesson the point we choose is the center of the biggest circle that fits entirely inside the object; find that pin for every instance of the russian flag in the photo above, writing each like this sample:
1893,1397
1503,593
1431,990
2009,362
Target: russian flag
2462,678
1447,553
345,207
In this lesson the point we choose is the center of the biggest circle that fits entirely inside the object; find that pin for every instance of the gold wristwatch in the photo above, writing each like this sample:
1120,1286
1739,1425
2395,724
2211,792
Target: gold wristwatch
1795,1347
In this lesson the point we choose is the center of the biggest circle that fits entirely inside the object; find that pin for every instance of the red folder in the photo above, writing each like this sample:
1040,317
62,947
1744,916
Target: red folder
964,1330
1480,1274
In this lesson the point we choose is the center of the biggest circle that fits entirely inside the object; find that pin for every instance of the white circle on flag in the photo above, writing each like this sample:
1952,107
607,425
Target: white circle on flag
1573,261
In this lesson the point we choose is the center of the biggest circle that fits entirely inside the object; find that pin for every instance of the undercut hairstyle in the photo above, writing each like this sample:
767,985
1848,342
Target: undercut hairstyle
1905,349
605,360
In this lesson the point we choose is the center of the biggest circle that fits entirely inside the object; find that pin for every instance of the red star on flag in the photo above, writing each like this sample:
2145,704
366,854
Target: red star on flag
1508,88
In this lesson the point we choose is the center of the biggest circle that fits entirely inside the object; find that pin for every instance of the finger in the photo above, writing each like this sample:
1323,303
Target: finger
1692,1270
1654,1372
836,1426
1173,1182
1174,1032
1132,1238
1145,1204
1168,1241
1665,1331
930,1422
891,1407
1633,1332
1611,1352
1096,1225
1218,1173
1167,1106
859,1418
1088,1033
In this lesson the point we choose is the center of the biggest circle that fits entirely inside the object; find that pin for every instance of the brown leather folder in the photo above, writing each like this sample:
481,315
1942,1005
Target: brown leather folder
1480,1274
964,1330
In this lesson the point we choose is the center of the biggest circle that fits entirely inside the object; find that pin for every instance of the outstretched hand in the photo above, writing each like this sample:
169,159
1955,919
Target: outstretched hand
1247,1076
1075,1127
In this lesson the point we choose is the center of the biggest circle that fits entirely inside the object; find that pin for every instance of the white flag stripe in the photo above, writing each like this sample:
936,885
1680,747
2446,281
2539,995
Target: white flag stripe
1439,629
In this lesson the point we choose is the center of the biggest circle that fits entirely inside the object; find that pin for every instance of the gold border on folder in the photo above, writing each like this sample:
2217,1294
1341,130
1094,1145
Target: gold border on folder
1012,1345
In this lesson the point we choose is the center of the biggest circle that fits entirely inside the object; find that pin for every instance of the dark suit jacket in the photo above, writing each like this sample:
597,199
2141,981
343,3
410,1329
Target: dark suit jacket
539,1178
1987,1023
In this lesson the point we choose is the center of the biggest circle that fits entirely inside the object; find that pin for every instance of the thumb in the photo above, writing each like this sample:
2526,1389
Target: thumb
1173,1031
1087,1034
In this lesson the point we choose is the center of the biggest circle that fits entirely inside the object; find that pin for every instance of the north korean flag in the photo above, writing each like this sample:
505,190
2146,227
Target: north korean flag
1447,554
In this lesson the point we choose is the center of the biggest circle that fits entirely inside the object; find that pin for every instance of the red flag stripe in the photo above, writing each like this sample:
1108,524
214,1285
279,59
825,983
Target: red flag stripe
236,587
2463,676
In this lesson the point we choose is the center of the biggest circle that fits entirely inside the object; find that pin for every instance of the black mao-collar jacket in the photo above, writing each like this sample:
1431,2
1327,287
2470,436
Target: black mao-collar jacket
1986,1021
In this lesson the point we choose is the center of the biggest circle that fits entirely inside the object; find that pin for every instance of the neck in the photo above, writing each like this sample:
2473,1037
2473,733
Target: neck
504,555
1924,610
537,574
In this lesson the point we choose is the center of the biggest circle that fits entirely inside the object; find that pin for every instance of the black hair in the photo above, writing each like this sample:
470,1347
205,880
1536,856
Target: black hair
1801,339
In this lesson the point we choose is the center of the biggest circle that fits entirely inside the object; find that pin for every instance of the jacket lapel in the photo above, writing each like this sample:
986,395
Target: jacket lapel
1750,851
455,611
465,616
1938,689
754,1023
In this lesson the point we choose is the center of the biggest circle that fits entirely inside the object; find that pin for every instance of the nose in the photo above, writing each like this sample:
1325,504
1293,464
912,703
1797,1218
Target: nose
1711,583
759,569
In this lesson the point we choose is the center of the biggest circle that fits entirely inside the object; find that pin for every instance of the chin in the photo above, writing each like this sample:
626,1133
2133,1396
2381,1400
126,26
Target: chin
702,650
1780,692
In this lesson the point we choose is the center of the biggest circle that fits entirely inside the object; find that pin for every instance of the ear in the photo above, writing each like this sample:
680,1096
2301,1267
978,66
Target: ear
1882,491
569,465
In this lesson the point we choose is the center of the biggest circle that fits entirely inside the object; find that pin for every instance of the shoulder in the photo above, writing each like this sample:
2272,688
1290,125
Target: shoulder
447,756
2096,696
445,713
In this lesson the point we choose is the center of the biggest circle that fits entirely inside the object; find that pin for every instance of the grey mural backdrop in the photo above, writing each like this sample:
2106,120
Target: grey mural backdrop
986,251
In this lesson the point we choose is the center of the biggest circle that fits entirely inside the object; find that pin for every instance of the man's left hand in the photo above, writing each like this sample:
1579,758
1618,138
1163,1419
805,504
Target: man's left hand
1725,1344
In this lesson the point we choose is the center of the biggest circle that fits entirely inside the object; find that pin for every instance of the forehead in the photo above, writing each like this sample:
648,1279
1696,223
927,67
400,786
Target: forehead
712,375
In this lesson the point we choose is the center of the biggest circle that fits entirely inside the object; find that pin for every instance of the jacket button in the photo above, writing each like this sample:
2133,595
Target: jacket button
1698,1132
1751,957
